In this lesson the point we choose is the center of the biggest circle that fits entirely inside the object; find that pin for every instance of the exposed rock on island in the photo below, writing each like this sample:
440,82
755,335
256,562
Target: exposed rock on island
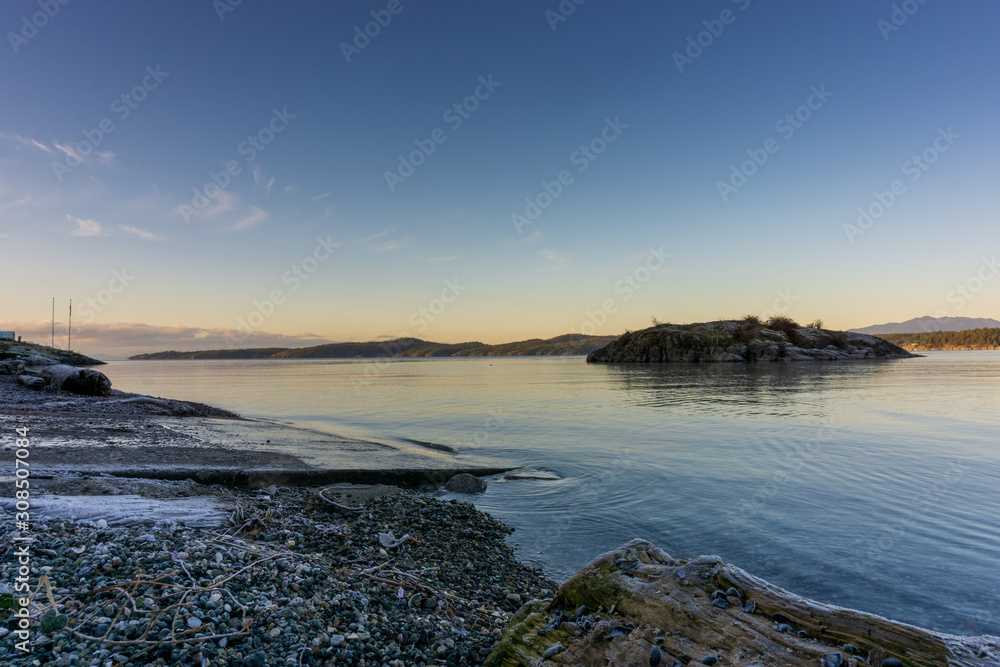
33,354
749,339
637,605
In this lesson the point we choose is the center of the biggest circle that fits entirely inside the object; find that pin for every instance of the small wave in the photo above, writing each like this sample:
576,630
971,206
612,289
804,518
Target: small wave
430,445
532,474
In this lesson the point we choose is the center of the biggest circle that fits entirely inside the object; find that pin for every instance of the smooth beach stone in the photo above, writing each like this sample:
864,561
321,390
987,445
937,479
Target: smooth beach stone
832,660
257,659
552,650
710,660
465,483
655,656
571,628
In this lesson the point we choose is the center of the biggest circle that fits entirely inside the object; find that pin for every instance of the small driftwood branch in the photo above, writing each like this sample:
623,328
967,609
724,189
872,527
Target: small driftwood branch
339,506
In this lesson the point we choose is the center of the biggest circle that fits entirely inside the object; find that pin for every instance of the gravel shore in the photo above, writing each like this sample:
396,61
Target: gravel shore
279,575
293,580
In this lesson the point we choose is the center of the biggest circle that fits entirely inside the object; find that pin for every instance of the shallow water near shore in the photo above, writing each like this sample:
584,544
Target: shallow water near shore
855,483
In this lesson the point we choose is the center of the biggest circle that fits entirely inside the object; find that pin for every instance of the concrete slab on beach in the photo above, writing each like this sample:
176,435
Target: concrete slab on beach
240,453
103,437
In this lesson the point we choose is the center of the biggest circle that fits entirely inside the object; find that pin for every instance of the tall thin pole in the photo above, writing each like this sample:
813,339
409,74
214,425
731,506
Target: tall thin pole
53,342
69,344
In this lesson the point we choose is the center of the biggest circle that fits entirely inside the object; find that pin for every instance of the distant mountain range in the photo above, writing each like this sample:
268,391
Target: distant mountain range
926,324
568,344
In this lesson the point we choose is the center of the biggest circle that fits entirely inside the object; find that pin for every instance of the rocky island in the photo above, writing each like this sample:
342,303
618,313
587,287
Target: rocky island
746,340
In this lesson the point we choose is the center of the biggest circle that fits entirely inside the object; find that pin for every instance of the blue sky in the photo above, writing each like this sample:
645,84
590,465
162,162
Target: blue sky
646,141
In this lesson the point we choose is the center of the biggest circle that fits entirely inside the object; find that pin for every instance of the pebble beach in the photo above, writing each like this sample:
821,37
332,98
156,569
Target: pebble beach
291,580
282,574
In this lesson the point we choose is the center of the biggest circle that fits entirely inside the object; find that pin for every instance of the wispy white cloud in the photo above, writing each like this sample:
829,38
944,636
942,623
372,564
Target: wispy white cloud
392,244
57,147
224,203
148,203
141,233
38,144
261,181
556,261
374,237
386,240
104,157
84,227
532,238
443,259
322,196
256,215
20,203
26,141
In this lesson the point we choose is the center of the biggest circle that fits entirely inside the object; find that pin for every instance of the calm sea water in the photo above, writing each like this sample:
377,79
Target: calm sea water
859,484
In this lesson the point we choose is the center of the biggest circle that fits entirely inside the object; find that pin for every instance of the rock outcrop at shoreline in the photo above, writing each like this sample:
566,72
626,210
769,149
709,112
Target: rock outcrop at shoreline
745,340
33,354
637,605
59,388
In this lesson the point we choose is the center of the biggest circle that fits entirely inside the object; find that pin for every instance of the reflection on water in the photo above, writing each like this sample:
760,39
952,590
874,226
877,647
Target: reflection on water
855,483
774,389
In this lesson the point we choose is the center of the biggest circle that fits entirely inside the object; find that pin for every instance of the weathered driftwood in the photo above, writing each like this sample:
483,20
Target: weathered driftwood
83,381
656,600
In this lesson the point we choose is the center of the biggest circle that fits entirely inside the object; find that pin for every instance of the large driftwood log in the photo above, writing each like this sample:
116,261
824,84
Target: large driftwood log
641,597
83,381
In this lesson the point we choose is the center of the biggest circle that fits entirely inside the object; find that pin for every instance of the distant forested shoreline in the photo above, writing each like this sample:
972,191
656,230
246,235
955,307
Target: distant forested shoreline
970,339
568,344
